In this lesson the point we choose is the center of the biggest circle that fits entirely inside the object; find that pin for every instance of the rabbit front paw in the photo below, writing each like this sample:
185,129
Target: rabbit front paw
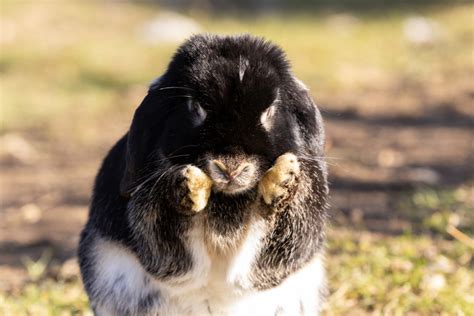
278,181
198,185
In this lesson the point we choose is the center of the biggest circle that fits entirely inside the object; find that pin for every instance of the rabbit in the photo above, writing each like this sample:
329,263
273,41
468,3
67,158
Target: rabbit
215,200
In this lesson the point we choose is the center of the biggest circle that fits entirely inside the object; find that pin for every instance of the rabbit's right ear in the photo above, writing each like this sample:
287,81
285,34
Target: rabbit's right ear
146,128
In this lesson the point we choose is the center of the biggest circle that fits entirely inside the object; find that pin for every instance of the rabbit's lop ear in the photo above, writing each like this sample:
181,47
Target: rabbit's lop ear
300,84
308,115
304,98
304,103
147,124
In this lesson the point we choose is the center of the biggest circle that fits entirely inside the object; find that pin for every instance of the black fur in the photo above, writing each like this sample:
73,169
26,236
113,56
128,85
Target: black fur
137,194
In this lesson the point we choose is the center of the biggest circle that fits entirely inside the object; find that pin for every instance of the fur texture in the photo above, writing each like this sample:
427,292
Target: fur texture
214,202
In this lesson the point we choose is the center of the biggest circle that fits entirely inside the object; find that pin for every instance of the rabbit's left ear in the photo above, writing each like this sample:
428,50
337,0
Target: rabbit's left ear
304,99
147,125
308,115
300,84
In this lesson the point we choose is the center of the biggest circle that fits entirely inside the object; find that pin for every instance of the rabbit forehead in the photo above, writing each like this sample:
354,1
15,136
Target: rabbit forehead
242,51
241,71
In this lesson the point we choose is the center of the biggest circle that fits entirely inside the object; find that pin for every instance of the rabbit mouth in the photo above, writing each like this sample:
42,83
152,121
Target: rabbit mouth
233,175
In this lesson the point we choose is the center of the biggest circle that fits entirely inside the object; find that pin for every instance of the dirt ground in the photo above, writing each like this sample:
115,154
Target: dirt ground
380,149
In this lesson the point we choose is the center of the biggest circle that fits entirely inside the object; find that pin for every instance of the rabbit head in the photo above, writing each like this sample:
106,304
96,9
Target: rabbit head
229,105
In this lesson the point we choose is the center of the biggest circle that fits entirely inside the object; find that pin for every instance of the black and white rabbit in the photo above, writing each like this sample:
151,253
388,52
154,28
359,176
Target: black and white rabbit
214,202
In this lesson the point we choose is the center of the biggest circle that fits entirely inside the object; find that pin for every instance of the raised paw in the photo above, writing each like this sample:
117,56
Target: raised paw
278,180
199,188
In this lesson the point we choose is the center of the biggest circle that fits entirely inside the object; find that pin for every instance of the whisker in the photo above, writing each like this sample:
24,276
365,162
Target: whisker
137,187
180,96
319,159
182,147
172,169
167,88
331,163
323,157
171,157
147,178
150,192
335,158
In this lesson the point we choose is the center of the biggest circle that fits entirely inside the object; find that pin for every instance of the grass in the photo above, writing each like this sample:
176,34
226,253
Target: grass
75,71
433,209
47,297
387,275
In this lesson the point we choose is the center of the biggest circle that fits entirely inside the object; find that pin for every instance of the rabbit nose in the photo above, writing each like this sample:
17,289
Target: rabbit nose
220,172
218,168
231,175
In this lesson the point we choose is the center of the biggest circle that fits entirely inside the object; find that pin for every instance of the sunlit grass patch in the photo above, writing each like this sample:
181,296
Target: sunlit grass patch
45,298
432,210
48,289
393,275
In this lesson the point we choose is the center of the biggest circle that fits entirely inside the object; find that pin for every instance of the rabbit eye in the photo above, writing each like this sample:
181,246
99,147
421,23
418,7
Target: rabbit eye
197,111
266,117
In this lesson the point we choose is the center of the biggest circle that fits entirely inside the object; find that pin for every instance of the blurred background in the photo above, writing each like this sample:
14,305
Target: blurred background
394,81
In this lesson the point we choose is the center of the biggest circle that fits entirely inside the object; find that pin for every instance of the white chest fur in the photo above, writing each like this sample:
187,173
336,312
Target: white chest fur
215,285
